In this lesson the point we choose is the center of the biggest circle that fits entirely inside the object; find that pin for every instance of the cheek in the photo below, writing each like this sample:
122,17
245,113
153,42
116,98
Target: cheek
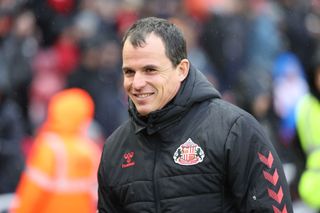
169,88
126,84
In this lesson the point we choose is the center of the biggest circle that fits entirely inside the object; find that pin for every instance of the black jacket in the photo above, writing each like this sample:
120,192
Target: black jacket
198,154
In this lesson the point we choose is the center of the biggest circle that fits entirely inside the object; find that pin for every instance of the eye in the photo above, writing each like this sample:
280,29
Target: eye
150,69
128,72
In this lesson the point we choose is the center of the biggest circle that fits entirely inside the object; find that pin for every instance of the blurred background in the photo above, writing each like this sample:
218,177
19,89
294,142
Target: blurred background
255,52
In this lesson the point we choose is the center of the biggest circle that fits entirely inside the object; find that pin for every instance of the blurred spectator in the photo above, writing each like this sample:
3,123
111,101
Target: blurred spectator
196,54
224,41
11,135
296,30
52,16
312,23
289,85
47,80
202,9
5,24
61,169
67,50
51,65
127,14
99,73
96,20
111,102
264,38
87,22
18,51
308,126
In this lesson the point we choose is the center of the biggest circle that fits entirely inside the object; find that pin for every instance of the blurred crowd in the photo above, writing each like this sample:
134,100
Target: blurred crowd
256,52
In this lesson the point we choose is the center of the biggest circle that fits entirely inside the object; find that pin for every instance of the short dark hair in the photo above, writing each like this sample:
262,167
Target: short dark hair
171,36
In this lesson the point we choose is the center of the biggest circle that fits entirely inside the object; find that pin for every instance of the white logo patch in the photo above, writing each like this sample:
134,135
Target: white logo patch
188,153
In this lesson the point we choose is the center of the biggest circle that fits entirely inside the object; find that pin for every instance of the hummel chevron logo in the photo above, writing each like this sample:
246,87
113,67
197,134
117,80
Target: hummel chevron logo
267,161
128,158
271,178
276,210
276,196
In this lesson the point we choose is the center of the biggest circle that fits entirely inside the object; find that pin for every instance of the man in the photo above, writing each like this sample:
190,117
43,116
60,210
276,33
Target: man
12,161
308,135
60,173
183,149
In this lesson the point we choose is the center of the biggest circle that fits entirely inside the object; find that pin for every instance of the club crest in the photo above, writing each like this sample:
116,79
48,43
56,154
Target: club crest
188,153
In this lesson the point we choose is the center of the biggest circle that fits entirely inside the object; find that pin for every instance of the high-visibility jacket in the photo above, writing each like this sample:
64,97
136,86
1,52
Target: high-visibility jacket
61,170
308,128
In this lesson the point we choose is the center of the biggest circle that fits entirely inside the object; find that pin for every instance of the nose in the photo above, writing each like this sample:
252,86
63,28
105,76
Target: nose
139,81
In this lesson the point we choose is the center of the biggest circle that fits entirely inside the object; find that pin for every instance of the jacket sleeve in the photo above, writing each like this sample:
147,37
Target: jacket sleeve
106,203
254,171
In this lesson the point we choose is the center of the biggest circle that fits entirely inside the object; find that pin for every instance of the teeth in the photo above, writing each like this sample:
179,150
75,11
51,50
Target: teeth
143,95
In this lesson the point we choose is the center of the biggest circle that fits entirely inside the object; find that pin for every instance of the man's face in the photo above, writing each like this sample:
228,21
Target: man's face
150,79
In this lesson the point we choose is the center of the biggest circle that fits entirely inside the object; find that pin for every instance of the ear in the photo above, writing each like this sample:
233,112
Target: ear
183,69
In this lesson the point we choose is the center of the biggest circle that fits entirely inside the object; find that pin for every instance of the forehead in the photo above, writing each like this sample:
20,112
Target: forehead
152,52
153,43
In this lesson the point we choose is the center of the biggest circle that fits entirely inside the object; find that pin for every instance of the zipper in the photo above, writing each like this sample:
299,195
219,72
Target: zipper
155,178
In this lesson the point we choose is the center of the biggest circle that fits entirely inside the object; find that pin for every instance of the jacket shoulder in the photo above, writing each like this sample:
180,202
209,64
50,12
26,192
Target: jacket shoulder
118,138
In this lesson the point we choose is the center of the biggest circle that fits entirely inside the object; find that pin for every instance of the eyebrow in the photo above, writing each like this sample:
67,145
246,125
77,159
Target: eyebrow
148,66
126,68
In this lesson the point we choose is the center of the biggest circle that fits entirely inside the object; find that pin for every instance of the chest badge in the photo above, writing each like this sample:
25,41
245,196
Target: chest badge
128,160
188,153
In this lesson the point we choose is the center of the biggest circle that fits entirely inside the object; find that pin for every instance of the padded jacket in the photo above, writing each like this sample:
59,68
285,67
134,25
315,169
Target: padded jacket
197,154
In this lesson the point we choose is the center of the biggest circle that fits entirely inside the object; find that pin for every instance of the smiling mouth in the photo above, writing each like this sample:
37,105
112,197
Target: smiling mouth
143,95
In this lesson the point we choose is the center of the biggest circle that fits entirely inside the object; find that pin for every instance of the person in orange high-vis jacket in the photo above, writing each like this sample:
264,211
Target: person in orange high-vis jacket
61,169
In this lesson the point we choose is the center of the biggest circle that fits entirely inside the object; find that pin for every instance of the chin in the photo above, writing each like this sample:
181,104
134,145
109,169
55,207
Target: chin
143,112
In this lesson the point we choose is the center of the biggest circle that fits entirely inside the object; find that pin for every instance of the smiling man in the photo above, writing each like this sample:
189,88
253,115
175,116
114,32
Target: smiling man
183,149
150,78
